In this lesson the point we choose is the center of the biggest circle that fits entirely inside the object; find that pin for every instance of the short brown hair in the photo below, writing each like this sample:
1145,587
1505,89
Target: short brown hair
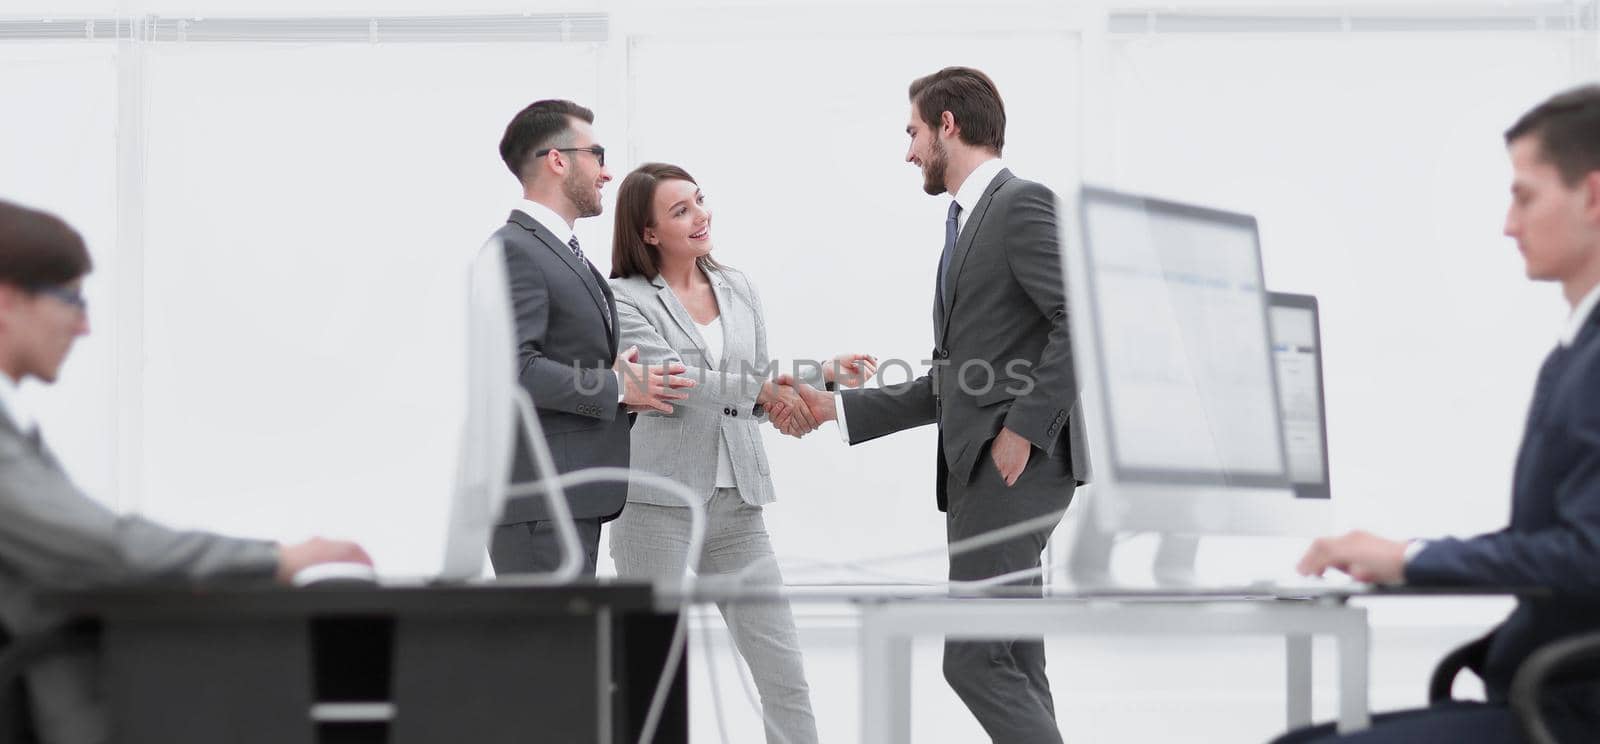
630,255
1568,130
542,124
39,249
970,97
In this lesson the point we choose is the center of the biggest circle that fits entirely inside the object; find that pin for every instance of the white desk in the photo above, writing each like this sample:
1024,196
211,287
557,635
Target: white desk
887,628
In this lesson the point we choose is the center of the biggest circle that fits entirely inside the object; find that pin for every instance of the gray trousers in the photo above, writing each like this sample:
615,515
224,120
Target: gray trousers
531,547
651,542
1003,682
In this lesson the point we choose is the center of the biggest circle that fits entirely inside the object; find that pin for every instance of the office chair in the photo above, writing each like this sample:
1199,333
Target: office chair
1528,685
16,655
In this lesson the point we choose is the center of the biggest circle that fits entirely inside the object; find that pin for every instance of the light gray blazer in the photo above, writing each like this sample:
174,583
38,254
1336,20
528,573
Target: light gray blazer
53,537
683,445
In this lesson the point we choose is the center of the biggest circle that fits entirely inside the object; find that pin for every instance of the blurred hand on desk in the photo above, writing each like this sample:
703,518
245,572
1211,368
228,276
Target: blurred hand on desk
1363,555
293,558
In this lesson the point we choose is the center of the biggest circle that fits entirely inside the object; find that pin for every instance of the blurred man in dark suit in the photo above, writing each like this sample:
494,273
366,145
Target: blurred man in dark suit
1554,537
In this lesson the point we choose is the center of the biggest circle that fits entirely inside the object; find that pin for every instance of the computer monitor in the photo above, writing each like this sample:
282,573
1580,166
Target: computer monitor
1297,353
1178,388
495,405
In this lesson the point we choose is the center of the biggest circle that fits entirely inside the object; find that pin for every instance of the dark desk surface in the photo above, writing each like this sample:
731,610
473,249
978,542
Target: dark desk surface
484,663
415,600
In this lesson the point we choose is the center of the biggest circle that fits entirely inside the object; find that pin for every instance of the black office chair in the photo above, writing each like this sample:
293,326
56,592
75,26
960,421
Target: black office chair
1470,655
16,655
1528,684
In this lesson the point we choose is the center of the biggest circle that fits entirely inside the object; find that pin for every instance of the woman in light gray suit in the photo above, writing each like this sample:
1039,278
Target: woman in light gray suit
676,304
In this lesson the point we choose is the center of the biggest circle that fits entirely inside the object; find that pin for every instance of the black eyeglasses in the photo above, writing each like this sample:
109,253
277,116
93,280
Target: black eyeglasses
596,150
73,297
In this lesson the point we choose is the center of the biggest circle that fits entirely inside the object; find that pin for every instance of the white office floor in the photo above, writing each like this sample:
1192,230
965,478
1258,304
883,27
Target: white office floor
1107,689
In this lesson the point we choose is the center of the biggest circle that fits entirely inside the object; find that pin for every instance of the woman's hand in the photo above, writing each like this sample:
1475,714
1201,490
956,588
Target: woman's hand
850,370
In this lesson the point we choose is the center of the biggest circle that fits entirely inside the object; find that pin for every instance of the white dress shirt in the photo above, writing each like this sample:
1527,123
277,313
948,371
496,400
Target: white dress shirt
711,333
547,217
967,196
1580,314
11,401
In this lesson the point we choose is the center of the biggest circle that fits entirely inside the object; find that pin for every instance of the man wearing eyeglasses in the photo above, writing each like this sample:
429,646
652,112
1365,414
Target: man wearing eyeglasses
52,535
566,319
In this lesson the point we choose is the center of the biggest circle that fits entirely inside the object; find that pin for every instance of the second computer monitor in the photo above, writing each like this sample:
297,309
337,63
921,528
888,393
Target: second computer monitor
1297,352
1174,355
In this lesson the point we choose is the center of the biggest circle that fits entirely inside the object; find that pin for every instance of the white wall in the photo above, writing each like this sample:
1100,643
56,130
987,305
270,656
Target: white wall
58,151
293,281
311,211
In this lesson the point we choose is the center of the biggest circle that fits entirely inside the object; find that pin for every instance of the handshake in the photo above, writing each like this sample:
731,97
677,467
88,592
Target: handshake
797,409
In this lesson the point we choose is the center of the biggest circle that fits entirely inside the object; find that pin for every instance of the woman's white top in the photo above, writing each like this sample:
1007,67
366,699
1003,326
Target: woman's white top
711,333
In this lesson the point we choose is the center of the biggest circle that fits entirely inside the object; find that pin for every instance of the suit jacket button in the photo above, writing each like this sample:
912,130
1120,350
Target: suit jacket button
726,411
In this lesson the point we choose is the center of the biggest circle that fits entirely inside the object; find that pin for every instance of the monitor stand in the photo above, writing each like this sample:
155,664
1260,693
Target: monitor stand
1092,547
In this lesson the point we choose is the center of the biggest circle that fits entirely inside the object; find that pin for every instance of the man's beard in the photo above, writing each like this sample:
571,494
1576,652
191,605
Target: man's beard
933,174
582,194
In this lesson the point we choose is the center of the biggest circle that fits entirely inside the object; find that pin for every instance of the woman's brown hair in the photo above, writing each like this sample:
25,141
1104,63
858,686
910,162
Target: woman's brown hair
630,255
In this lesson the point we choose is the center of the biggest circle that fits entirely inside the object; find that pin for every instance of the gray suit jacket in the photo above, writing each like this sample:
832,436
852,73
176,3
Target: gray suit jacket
1002,344
566,345
53,537
722,407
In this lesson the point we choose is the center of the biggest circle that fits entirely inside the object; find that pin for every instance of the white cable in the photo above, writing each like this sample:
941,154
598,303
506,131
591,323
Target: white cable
697,510
555,498
696,545
697,538
956,548
965,545
716,687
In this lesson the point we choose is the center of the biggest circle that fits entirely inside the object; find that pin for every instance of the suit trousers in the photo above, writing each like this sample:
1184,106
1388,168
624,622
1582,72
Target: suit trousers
651,542
532,547
1003,682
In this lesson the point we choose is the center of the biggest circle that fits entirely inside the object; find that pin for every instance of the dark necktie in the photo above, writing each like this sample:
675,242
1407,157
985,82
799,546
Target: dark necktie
950,233
576,251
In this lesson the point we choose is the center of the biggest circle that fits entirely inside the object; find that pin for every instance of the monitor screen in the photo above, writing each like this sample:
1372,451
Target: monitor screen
1297,352
1180,323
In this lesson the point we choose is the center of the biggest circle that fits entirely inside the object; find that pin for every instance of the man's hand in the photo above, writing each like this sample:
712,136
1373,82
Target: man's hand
1362,555
813,405
293,558
850,370
786,410
649,388
1010,453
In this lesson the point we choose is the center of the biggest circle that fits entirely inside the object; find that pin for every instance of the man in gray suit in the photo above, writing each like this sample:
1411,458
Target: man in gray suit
566,336
1002,388
52,536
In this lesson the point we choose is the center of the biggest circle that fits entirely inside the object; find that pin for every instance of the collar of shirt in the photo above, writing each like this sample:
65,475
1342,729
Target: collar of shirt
547,217
11,401
972,189
1580,315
